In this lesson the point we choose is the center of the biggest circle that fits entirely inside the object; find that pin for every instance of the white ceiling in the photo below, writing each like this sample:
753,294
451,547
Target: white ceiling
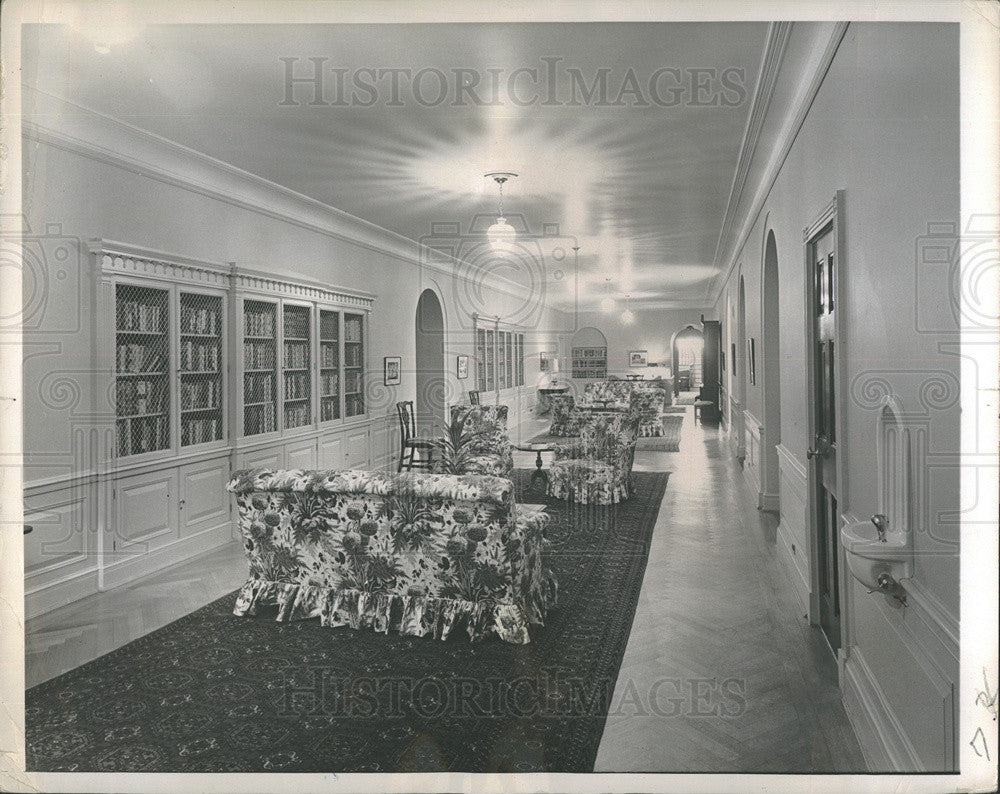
642,190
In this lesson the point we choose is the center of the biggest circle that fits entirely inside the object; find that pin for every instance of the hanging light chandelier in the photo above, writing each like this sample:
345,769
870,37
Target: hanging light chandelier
628,316
501,234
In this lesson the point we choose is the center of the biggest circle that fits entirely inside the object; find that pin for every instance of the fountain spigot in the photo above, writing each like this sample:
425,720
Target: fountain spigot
881,525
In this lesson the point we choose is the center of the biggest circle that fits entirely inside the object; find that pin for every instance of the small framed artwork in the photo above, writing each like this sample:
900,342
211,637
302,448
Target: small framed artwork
392,370
637,358
545,360
752,359
462,367
732,358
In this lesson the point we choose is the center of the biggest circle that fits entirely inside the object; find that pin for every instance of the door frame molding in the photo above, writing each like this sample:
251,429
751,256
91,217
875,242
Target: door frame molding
832,213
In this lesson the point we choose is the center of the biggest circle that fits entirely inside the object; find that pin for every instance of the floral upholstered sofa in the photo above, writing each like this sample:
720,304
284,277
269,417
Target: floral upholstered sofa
567,419
620,391
597,467
415,553
492,451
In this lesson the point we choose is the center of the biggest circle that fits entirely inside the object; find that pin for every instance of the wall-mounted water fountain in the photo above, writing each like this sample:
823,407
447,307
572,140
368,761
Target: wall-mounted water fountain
879,551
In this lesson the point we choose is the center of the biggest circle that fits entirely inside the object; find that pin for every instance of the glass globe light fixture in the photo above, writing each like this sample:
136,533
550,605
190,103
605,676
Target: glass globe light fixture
501,234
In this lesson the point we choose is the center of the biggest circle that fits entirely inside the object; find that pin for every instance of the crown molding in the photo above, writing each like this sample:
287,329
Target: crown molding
95,136
813,72
775,47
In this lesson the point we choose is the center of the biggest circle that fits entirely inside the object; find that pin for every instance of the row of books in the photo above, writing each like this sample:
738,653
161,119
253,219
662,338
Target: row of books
296,385
355,405
202,394
258,387
134,357
198,431
137,316
328,384
199,355
140,396
296,322
328,355
352,381
259,419
296,354
136,436
329,328
296,415
352,356
352,330
259,323
199,320
329,409
258,355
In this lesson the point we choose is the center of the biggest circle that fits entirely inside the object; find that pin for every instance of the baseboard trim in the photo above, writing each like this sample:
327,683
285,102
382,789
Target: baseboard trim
126,571
769,502
880,734
60,593
786,560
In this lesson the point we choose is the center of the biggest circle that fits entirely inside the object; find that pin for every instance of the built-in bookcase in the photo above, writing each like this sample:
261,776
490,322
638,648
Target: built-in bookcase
329,365
354,363
142,380
297,369
260,367
202,392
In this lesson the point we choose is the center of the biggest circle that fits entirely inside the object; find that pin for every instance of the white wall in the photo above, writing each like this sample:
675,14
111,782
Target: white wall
883,128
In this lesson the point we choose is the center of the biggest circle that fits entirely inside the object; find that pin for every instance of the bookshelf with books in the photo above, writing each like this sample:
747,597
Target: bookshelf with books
201,393
260,371
296,366
354,358
329,365
142,382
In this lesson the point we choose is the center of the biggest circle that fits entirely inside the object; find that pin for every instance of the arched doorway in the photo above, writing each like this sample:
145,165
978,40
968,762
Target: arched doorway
771,310
429,364
686,347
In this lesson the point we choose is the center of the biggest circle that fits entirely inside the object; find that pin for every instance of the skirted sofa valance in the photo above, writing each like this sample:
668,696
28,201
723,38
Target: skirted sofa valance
417,553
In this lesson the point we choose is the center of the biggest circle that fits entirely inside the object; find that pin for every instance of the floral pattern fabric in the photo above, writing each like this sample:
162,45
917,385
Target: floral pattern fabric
416,553
648,405
495,455
567,419
597,468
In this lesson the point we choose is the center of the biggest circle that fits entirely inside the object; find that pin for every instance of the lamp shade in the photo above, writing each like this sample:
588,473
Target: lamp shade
501,235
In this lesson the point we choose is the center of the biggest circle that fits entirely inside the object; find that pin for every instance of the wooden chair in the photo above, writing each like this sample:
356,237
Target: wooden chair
409,444
473,398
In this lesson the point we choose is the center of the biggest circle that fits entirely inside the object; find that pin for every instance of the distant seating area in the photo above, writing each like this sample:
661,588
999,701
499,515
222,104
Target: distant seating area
596,468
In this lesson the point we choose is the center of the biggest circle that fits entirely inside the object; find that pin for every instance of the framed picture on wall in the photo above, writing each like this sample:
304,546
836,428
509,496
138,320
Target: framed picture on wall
392,370
752,359
462,367
545,360
732,358
637,358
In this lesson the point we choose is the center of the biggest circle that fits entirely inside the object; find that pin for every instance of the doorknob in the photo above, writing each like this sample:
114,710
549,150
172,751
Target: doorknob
814,453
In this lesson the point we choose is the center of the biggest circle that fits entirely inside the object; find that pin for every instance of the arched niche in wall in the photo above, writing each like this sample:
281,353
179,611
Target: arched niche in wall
589,354
429,362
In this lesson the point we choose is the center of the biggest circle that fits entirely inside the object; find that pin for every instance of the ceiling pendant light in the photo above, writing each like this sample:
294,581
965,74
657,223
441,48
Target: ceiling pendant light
501,234
607,302
628,316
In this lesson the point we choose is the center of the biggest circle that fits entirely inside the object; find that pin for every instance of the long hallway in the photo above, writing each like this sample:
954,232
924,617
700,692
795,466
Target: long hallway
721,673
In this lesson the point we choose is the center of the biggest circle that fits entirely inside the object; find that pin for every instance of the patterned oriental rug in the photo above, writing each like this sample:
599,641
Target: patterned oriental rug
212,692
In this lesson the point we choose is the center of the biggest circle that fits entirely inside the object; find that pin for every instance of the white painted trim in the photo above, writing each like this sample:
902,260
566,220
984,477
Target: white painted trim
786,456
52,595
771,502
813,74
792,571
883,741
128,570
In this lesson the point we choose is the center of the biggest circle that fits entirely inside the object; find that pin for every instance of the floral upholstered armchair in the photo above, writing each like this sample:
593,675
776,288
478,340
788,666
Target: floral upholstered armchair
597,468
647,404
491,450
567,419
414,553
